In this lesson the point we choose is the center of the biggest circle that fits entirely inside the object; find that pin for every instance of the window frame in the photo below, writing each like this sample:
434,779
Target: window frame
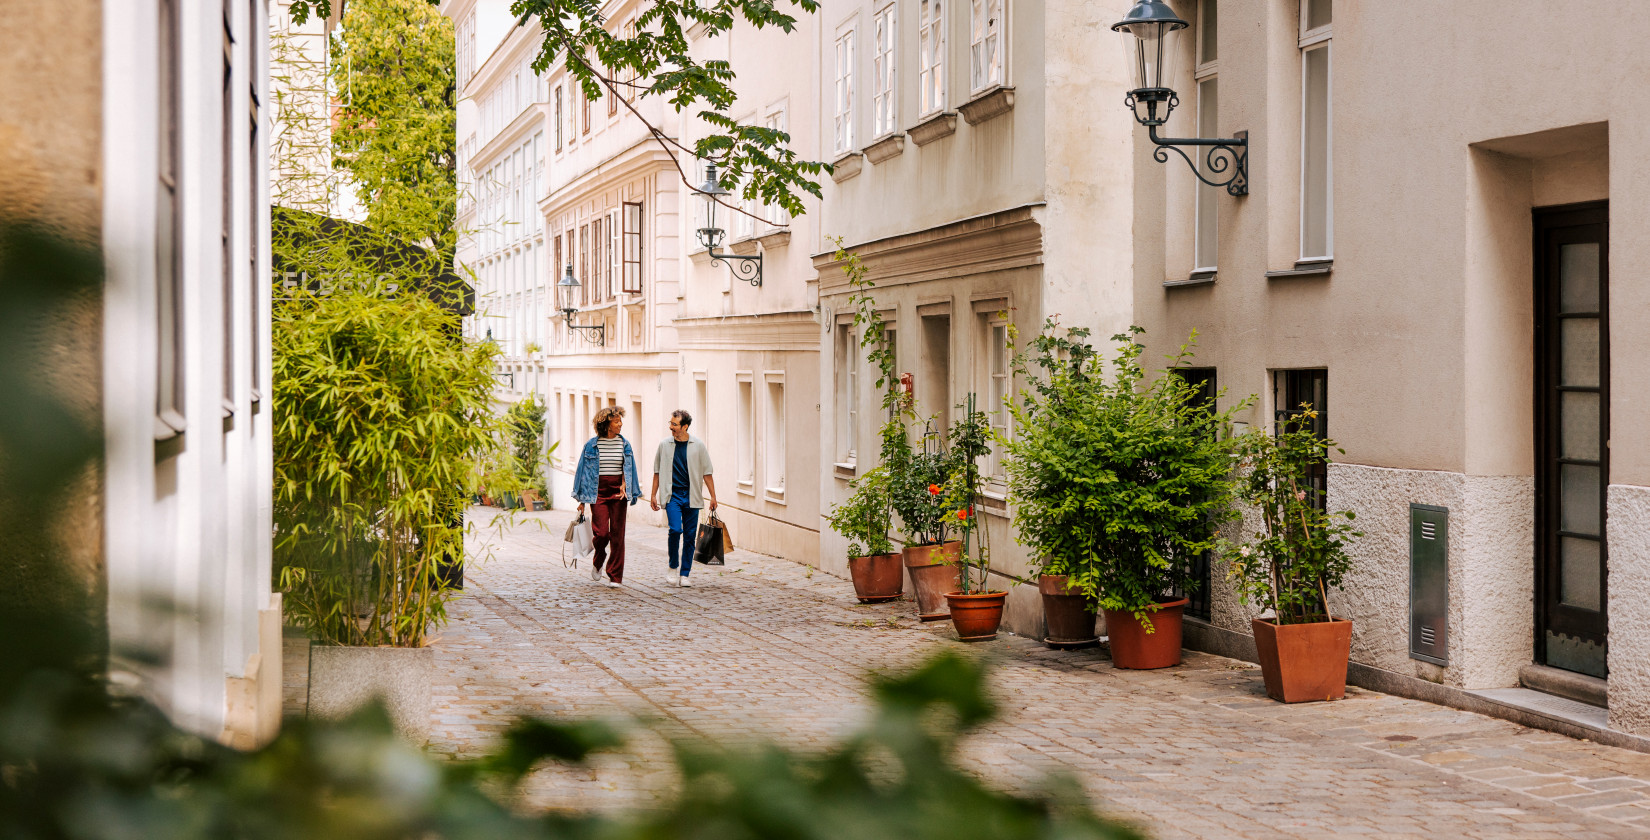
846,370
170,383
774,453
842,114
1313,40
990,319
632,222
1204,71
884,71
981,41
745,390
931,43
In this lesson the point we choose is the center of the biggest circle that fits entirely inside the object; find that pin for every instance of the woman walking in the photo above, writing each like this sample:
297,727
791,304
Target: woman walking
606,480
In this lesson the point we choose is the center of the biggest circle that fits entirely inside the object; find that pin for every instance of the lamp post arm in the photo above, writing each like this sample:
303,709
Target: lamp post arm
1224,154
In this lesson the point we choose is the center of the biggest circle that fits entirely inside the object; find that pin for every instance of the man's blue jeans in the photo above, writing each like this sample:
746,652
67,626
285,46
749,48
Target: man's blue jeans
684,532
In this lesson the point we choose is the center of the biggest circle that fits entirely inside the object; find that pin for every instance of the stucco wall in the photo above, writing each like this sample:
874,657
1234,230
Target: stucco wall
1628,534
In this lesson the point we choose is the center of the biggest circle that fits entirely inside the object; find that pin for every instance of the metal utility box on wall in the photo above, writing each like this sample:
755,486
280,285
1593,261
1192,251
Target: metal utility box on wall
1429,583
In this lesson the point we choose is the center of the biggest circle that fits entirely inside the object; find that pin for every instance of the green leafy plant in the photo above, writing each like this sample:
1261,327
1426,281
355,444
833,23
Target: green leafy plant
971,438
656,59
1300,552
865,518
917,479
1119,481
526,422
381,413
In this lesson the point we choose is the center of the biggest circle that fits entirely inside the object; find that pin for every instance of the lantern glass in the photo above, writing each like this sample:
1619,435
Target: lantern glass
1151,49
710,233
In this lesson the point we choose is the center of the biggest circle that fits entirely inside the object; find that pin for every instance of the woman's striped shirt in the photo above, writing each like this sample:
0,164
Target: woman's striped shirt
611,452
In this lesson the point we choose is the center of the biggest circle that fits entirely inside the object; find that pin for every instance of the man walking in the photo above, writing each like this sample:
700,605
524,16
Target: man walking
684,458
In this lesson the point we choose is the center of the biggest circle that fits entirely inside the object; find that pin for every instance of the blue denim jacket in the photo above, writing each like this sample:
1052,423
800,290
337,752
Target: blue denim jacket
584,478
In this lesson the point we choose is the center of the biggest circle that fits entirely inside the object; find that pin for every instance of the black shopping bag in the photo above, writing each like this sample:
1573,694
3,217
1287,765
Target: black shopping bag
708,548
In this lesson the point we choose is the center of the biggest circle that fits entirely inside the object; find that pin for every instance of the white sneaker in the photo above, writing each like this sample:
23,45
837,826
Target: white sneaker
595,572
671,576
612,584
685,581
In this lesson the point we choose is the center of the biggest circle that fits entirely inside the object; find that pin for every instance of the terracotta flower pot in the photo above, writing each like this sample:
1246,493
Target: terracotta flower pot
934,571
1133,647
1069,613
877,578
1303,662
976,615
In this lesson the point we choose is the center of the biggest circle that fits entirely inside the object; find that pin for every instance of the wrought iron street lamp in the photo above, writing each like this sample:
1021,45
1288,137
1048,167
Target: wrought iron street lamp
592,333
1150,31
745,268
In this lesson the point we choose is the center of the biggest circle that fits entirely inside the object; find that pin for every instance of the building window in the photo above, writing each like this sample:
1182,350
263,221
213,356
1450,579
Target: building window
1294,394
884,100
843,120
557,99
985,66
226,224
630,81
773,213
845,364
257,280
585,98
1206,246
931,58
466,50
934,383
1317,146
774,445
633,247
747,435
701,390
585,278
995,380
169,350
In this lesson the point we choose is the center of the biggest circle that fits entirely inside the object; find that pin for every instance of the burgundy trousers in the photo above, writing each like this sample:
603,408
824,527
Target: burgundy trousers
607,525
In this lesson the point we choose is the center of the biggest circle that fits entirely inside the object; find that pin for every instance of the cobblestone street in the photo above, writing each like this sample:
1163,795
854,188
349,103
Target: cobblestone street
769,648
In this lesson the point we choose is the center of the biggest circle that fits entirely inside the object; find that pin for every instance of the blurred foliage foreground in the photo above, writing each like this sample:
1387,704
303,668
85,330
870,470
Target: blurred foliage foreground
79,759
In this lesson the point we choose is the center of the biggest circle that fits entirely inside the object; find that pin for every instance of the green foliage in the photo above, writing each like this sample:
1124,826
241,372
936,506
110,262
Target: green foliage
1119,482
865,518
393,68
526,422
971,439
1300,553
916,482
381,413
657,60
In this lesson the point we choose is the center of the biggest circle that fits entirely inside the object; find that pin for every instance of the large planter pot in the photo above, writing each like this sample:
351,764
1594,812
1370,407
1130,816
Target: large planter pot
1132,647
976,615
877,578
1069,613
934,571
1303,662
343,679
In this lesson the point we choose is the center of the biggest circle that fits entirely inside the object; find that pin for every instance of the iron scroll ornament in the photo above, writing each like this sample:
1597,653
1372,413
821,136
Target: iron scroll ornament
748,269
591,333
1224,155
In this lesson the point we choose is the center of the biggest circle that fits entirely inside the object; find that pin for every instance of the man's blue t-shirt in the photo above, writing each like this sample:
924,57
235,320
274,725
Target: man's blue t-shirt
679,474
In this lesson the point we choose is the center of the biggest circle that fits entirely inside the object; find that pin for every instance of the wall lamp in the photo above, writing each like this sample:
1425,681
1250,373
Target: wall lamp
745,268
592,333
1152,30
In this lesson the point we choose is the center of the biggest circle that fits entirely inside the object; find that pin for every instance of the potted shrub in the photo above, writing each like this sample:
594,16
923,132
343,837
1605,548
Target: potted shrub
1290,565
1119,483
976,608
382,418
865,520
911,480
526,424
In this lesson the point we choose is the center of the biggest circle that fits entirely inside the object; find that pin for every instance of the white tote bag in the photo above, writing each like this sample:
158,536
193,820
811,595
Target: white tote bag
582,537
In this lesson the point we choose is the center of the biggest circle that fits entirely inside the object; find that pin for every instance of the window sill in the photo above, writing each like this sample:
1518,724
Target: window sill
776,239
775,495
940,124
1305,268
1204,277
746,488
744,246
990,103
847,166
846,470
886,148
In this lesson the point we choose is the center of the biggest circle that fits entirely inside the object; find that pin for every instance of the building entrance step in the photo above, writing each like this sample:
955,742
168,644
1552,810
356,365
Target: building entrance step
1550,706
1582,688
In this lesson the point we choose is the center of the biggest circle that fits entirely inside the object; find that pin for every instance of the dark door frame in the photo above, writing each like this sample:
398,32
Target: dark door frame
1553,227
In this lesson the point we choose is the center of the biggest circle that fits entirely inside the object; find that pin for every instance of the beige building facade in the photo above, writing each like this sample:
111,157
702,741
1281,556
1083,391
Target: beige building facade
1426,254
977,182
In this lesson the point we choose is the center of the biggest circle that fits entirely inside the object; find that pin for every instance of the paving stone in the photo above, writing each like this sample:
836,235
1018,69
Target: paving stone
766,648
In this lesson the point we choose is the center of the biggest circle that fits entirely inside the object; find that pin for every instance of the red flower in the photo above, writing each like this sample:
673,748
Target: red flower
933,489
963,514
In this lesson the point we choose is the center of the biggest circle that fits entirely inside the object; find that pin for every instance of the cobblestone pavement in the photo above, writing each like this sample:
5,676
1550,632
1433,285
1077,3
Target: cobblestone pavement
767,648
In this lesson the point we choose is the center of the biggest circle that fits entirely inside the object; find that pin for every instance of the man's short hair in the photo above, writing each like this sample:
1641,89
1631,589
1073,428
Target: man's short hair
683,418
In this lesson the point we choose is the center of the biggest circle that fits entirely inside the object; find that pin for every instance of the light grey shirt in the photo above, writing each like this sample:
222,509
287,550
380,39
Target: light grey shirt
698,465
